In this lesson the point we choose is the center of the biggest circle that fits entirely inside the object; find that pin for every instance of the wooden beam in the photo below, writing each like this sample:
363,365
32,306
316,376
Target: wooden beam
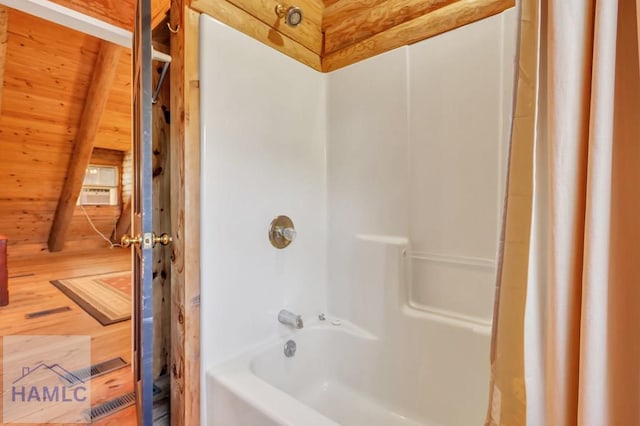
447,18
185,216
307,33
328,3
340,9
349,22
4,24
103,74
237,18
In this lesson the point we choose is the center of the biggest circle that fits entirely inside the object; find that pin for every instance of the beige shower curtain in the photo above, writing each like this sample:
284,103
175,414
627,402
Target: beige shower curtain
566,338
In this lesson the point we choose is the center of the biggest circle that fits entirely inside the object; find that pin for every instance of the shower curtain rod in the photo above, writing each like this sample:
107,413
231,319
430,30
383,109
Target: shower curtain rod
160,56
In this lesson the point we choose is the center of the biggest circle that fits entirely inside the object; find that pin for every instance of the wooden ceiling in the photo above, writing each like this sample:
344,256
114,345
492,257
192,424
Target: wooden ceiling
337,33
47,74
333,33
120,13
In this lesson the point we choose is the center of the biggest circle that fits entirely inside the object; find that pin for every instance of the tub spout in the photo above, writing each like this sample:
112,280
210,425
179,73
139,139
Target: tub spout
290,319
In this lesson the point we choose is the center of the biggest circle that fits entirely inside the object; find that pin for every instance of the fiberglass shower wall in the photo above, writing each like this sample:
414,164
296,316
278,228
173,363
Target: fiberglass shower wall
417,149
403,152
417,146
263,155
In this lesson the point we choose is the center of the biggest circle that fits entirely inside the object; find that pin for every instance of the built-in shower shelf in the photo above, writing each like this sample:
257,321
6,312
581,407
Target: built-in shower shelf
475,324
478,262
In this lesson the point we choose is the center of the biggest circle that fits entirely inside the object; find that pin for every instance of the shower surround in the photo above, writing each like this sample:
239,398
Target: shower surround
392,171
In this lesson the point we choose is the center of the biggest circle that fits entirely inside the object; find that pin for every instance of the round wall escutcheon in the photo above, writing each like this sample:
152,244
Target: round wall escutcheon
281,232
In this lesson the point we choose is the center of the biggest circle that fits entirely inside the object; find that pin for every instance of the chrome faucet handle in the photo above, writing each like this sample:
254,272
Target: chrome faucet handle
288,234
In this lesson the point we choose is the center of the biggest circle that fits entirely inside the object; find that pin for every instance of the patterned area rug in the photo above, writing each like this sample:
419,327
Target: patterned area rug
106,297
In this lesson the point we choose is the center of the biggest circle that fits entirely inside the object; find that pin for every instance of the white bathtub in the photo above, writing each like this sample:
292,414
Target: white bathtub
341,375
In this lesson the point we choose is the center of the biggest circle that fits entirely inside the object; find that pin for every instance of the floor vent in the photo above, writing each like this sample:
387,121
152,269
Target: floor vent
160,406
108,408
96,370
46,312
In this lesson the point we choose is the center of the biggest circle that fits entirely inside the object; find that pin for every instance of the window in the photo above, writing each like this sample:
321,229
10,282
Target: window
100,186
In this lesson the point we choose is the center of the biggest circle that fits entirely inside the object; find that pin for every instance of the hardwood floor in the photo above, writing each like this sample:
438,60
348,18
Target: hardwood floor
30,291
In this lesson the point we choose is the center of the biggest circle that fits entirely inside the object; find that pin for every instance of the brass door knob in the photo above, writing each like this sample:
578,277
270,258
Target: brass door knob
163,239
127,240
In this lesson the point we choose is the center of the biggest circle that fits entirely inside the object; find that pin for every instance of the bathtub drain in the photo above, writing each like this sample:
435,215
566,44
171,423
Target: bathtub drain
289,348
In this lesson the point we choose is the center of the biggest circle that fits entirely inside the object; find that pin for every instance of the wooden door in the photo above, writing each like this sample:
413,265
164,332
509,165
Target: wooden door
142,207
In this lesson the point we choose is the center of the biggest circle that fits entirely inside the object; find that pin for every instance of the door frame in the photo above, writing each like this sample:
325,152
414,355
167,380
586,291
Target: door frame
185,187
185,215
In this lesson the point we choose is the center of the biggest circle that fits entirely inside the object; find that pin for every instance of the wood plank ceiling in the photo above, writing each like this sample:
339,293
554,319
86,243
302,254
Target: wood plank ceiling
120,13
337,33
47,75
333,33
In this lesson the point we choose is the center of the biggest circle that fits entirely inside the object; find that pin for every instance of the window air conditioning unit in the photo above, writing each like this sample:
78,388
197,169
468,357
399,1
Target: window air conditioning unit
99,196
100,186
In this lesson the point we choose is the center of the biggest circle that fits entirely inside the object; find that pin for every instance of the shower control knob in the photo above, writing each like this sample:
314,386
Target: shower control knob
289,234
292,15
281,232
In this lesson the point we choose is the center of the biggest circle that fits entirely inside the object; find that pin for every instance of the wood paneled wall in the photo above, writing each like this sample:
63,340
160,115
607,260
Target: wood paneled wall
47,74
115,128
103,217
185,217
4,26
27,221
161,214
